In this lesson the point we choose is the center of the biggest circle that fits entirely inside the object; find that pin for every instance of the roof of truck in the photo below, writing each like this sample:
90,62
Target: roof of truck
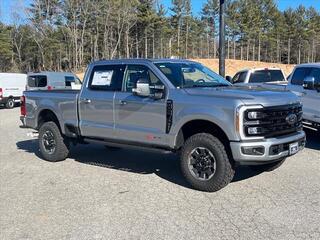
316,64
50,73
259,69
141,60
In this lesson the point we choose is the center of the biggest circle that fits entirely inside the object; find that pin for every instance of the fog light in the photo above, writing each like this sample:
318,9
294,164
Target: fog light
254,130
253,150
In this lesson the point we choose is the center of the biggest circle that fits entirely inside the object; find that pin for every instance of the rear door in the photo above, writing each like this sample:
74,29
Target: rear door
96,101
139,119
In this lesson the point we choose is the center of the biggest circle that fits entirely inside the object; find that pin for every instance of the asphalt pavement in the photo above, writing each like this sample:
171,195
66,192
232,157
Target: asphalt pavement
126,194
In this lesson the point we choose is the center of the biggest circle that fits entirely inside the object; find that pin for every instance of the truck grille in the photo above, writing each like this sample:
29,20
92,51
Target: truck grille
274,121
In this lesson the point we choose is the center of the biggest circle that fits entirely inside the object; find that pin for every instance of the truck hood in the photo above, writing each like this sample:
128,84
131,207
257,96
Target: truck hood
247,94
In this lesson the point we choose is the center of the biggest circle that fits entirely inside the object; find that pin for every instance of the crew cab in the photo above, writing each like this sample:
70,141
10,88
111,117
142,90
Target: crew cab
175,105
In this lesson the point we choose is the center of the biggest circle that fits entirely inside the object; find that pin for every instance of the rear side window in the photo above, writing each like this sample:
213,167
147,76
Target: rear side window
37,81
299,75
107,77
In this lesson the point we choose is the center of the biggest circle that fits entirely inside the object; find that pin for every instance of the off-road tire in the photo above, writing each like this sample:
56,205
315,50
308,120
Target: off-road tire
224,168
267,167
10,103
62,147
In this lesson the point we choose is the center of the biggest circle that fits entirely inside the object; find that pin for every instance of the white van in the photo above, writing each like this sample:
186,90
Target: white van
11,87
52,80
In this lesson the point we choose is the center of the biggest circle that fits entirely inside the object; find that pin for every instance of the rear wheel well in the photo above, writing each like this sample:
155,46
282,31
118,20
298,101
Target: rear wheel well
47,116
202,126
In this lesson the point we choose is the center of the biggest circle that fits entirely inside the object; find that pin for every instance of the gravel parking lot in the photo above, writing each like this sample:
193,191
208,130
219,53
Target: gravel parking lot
126,194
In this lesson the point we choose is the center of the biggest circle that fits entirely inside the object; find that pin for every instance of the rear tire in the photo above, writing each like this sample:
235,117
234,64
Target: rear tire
52,145
268,167
10,103
205,164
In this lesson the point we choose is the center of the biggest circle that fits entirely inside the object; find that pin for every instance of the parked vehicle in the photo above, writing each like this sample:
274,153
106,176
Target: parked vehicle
174,105
304,81
258,76
52,80
12,86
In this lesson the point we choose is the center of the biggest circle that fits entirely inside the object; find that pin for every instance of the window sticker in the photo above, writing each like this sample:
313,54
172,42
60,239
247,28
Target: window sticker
102,78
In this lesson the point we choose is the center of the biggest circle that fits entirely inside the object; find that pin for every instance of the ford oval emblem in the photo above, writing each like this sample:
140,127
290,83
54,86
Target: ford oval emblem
291,119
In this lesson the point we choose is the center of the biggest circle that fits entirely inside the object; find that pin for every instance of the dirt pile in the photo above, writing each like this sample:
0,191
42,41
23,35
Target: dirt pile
233,66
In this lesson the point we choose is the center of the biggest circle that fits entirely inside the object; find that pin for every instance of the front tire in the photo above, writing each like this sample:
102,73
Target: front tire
10,103
268,167
205,164
52,145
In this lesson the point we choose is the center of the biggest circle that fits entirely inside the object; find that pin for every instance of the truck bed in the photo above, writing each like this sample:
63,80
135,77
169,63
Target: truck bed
62,102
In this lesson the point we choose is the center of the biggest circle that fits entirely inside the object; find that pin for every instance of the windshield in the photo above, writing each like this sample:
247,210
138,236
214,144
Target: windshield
191,75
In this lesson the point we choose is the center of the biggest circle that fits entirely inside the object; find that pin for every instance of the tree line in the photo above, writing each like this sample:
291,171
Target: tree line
68,34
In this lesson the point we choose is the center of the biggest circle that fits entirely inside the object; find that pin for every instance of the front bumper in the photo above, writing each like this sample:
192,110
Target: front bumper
274,148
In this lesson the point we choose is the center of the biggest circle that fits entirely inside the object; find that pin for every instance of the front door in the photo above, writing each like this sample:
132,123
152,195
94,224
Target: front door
96,111
311,99
140,119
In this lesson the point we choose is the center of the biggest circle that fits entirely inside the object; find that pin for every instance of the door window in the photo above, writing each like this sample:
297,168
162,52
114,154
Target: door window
242,77
106,77
239,77
299,75
315,72
137,72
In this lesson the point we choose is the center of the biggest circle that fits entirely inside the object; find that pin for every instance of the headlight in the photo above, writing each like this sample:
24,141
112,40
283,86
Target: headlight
247,121
255,115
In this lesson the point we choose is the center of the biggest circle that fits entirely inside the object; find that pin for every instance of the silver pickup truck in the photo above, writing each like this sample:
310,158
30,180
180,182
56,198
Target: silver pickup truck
174,105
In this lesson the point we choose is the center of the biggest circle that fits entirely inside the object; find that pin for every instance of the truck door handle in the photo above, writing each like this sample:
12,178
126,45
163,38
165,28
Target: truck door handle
86,100
122,102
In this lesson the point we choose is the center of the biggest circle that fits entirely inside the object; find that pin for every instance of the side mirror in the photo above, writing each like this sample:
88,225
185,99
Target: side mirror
229,79
142,89
309,83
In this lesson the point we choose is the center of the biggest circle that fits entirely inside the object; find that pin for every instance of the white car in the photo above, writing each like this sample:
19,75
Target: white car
12,86
258,76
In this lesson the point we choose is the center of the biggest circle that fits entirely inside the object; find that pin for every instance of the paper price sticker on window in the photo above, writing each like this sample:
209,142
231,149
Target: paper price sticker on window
102,78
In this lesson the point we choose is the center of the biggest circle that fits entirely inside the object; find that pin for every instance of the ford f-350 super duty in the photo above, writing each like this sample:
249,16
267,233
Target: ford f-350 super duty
174,105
